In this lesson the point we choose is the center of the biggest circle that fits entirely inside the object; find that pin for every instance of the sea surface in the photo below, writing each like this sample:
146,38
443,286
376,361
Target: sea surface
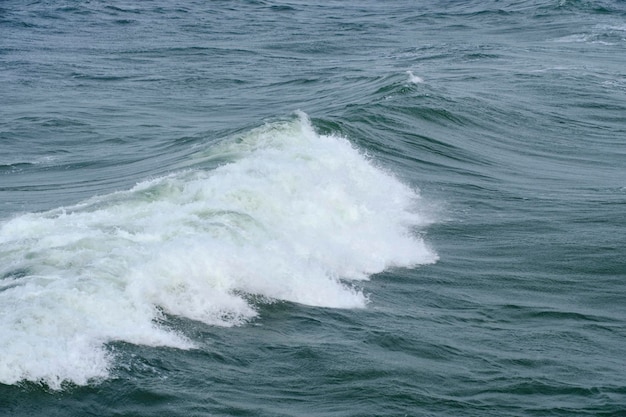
313,208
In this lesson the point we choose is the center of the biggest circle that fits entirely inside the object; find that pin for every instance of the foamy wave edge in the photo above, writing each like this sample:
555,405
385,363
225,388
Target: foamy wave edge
296,216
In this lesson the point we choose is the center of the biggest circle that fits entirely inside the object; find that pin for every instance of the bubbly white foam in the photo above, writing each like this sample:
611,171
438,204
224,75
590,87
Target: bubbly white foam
295,216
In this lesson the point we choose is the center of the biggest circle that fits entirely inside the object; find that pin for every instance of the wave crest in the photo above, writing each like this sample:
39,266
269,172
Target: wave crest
293,216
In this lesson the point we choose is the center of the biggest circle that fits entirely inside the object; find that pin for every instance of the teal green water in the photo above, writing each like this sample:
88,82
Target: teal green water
263,208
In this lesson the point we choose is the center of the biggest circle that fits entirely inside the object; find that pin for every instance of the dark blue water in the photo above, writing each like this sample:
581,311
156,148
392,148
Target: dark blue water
265,208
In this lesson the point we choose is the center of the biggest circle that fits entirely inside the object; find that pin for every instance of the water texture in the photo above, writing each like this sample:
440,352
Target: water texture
288,208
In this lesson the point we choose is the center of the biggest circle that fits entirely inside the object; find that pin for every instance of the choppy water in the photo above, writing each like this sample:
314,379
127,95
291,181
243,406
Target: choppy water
263,208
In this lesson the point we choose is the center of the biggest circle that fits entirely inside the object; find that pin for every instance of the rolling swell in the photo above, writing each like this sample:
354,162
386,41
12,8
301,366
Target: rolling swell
525,163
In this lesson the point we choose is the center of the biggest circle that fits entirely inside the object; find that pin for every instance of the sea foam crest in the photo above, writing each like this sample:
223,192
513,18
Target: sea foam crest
414,79
295,216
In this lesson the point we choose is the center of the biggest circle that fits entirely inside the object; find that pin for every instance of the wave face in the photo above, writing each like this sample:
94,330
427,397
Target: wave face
294,216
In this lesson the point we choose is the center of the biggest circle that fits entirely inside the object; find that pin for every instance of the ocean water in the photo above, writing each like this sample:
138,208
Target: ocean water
298,208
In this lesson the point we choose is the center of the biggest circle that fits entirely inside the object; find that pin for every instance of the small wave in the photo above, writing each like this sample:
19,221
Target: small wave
414,79
18,165
294,216
607,35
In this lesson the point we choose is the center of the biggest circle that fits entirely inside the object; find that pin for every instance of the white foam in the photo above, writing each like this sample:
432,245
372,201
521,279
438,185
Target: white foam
414,79
296,216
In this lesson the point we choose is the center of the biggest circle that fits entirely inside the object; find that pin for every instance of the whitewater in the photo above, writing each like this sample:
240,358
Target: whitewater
292,216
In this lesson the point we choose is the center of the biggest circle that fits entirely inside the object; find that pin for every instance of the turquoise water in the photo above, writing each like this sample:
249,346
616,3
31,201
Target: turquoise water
263,208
